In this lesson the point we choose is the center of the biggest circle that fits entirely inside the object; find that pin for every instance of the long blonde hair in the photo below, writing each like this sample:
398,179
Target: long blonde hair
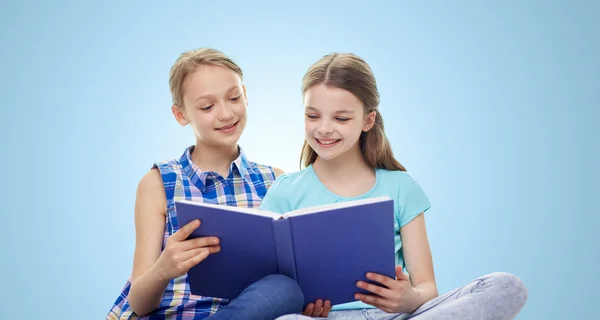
349,72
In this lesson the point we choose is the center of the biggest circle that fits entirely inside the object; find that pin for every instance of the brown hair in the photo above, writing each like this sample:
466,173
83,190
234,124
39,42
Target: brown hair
189,61
349,72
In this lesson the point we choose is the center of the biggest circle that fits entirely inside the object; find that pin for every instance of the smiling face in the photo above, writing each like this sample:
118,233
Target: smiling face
214,105
334,121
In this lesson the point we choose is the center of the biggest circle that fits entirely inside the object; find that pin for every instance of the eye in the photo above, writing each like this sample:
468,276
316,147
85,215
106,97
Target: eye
312,116
207,107
236,98
342,119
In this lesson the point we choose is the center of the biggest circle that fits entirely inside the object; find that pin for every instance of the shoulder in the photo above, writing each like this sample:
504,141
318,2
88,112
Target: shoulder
278,172
292,179
279,197
151,179
396,178
167,166
260,174
155,176
287,183
255,167
403,185
161,179
151,189
266,172
275,172
410,198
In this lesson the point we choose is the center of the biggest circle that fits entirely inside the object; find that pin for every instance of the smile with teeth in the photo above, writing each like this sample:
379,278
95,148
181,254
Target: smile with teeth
327,142
229,126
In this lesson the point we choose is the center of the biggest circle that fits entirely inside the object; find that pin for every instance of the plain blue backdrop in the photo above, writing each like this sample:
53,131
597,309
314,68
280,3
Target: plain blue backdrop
492,106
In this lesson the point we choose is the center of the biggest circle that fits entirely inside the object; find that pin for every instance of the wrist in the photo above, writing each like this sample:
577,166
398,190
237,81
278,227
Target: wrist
158,276
423,293
146,291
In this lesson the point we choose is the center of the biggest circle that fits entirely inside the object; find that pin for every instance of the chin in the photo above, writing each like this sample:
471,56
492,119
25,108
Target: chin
220,142
229,141
326,155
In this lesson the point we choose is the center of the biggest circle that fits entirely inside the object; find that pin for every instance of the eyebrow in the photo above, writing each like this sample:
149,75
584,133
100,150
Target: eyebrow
338,111
210,95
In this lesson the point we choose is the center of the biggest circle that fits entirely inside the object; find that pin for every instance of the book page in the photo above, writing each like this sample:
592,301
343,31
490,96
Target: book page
336,205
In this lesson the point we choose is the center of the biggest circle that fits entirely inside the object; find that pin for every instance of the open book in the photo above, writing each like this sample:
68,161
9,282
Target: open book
325,249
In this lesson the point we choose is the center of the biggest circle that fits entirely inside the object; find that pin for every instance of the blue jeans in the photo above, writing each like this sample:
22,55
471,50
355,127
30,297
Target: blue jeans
495,296
270,297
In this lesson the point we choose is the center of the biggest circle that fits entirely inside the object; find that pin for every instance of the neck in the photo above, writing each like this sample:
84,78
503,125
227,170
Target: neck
211,158
344,167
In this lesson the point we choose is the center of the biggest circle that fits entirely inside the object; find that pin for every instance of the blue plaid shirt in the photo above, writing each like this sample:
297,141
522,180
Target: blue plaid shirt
245,186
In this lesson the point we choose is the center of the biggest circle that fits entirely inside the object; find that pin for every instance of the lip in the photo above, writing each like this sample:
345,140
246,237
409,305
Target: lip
228,128
327,145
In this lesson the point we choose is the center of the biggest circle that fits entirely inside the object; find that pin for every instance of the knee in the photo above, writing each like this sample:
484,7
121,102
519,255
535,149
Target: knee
285,289
511,287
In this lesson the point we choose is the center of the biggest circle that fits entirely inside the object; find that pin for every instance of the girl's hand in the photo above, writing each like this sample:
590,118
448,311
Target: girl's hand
180,254
397,296
318,309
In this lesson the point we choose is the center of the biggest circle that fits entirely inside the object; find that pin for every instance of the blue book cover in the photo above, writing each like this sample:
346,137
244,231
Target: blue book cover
326,249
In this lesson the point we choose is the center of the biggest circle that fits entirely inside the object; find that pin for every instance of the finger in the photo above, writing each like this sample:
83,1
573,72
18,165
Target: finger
400,275
326,308
376,301
194,252
194,260
199,243
309,309
186,230
318,308
375,289
385,281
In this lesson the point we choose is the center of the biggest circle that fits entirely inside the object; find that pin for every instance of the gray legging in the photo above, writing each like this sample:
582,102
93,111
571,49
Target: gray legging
496,296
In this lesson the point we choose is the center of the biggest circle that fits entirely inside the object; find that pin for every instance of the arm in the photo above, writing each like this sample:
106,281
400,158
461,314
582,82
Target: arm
403,294
417,255
153,268
277,172
147,286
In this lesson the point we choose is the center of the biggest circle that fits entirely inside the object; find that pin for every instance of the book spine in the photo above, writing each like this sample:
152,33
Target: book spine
284,247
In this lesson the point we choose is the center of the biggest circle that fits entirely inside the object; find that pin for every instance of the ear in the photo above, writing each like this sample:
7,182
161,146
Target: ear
179,115
370,121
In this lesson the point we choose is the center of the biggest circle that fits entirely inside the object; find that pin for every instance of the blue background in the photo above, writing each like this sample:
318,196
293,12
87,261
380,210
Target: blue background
492,106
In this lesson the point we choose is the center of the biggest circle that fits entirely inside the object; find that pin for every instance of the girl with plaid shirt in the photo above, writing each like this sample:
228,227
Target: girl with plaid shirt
208,95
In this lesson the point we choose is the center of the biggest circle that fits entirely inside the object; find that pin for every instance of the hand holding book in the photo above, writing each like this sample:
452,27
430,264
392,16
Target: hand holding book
318,309
180,254
390,295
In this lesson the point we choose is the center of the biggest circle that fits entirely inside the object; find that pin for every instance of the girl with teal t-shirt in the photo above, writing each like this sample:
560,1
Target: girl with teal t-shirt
347,156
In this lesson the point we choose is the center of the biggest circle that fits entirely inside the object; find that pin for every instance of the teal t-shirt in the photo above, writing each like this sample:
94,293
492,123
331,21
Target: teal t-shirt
302,189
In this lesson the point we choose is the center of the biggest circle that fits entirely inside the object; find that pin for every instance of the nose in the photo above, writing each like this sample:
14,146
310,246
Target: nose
325,128
225,112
